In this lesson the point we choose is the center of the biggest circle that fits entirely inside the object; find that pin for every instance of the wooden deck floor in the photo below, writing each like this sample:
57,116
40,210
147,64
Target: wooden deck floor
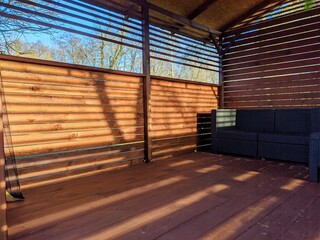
195,196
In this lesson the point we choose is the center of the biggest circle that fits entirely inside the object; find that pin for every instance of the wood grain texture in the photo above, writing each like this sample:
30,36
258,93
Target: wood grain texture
275,63
175,107
65,122
68,121
193,196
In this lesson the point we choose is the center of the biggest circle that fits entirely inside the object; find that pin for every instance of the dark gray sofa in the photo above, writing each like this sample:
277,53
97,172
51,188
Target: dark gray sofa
236,131
283,134
314,159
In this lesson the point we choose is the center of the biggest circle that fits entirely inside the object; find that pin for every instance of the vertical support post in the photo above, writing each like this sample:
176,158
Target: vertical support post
3,204
147,80
221,84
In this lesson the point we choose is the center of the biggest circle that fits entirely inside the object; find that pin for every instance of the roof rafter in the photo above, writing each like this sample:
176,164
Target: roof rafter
179,18
246,15
197,11
183,20
200,9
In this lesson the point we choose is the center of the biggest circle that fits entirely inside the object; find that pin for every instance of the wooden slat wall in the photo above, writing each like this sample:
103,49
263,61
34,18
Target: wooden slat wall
275,63
68,121
175,107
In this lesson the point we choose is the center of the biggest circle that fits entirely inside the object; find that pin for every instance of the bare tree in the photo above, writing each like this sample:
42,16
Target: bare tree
13,29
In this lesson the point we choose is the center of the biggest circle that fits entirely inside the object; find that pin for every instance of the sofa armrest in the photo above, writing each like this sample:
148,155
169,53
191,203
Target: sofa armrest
314,156
221,118
214,131
315,120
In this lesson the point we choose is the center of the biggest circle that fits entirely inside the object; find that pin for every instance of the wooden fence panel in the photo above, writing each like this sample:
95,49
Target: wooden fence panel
67,121
275,63
176,108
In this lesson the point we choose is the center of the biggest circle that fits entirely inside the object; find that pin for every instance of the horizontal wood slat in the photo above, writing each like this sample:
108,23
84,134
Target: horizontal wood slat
23,67
292,62
279,81
293,36
282,26
280,57
85,92
174,111
301,68
67,121
273,50
38,117
69,81
268,39
276,22
275,63
208,92
59,167
69,126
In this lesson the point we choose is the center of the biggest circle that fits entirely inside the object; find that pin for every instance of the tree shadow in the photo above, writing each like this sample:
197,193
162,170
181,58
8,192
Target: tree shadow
187,197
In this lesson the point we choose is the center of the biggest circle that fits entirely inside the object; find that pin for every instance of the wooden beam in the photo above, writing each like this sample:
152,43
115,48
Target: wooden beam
164,12
176,30
117,8
232,41
196,12
183,20
147,80
216,43
3,204
246,15
200,9
177,17
154,77
66,65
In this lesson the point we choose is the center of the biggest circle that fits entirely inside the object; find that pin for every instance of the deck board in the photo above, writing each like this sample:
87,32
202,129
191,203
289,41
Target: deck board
307,226
193,196
276,224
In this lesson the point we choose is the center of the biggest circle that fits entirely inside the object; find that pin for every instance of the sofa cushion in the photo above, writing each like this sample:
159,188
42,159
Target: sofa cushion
293,121
266,121
238,135
247,120
282,151
234,146
284,138
255,120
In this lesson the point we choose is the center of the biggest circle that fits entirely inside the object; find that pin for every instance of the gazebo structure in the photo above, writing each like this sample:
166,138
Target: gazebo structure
106,118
